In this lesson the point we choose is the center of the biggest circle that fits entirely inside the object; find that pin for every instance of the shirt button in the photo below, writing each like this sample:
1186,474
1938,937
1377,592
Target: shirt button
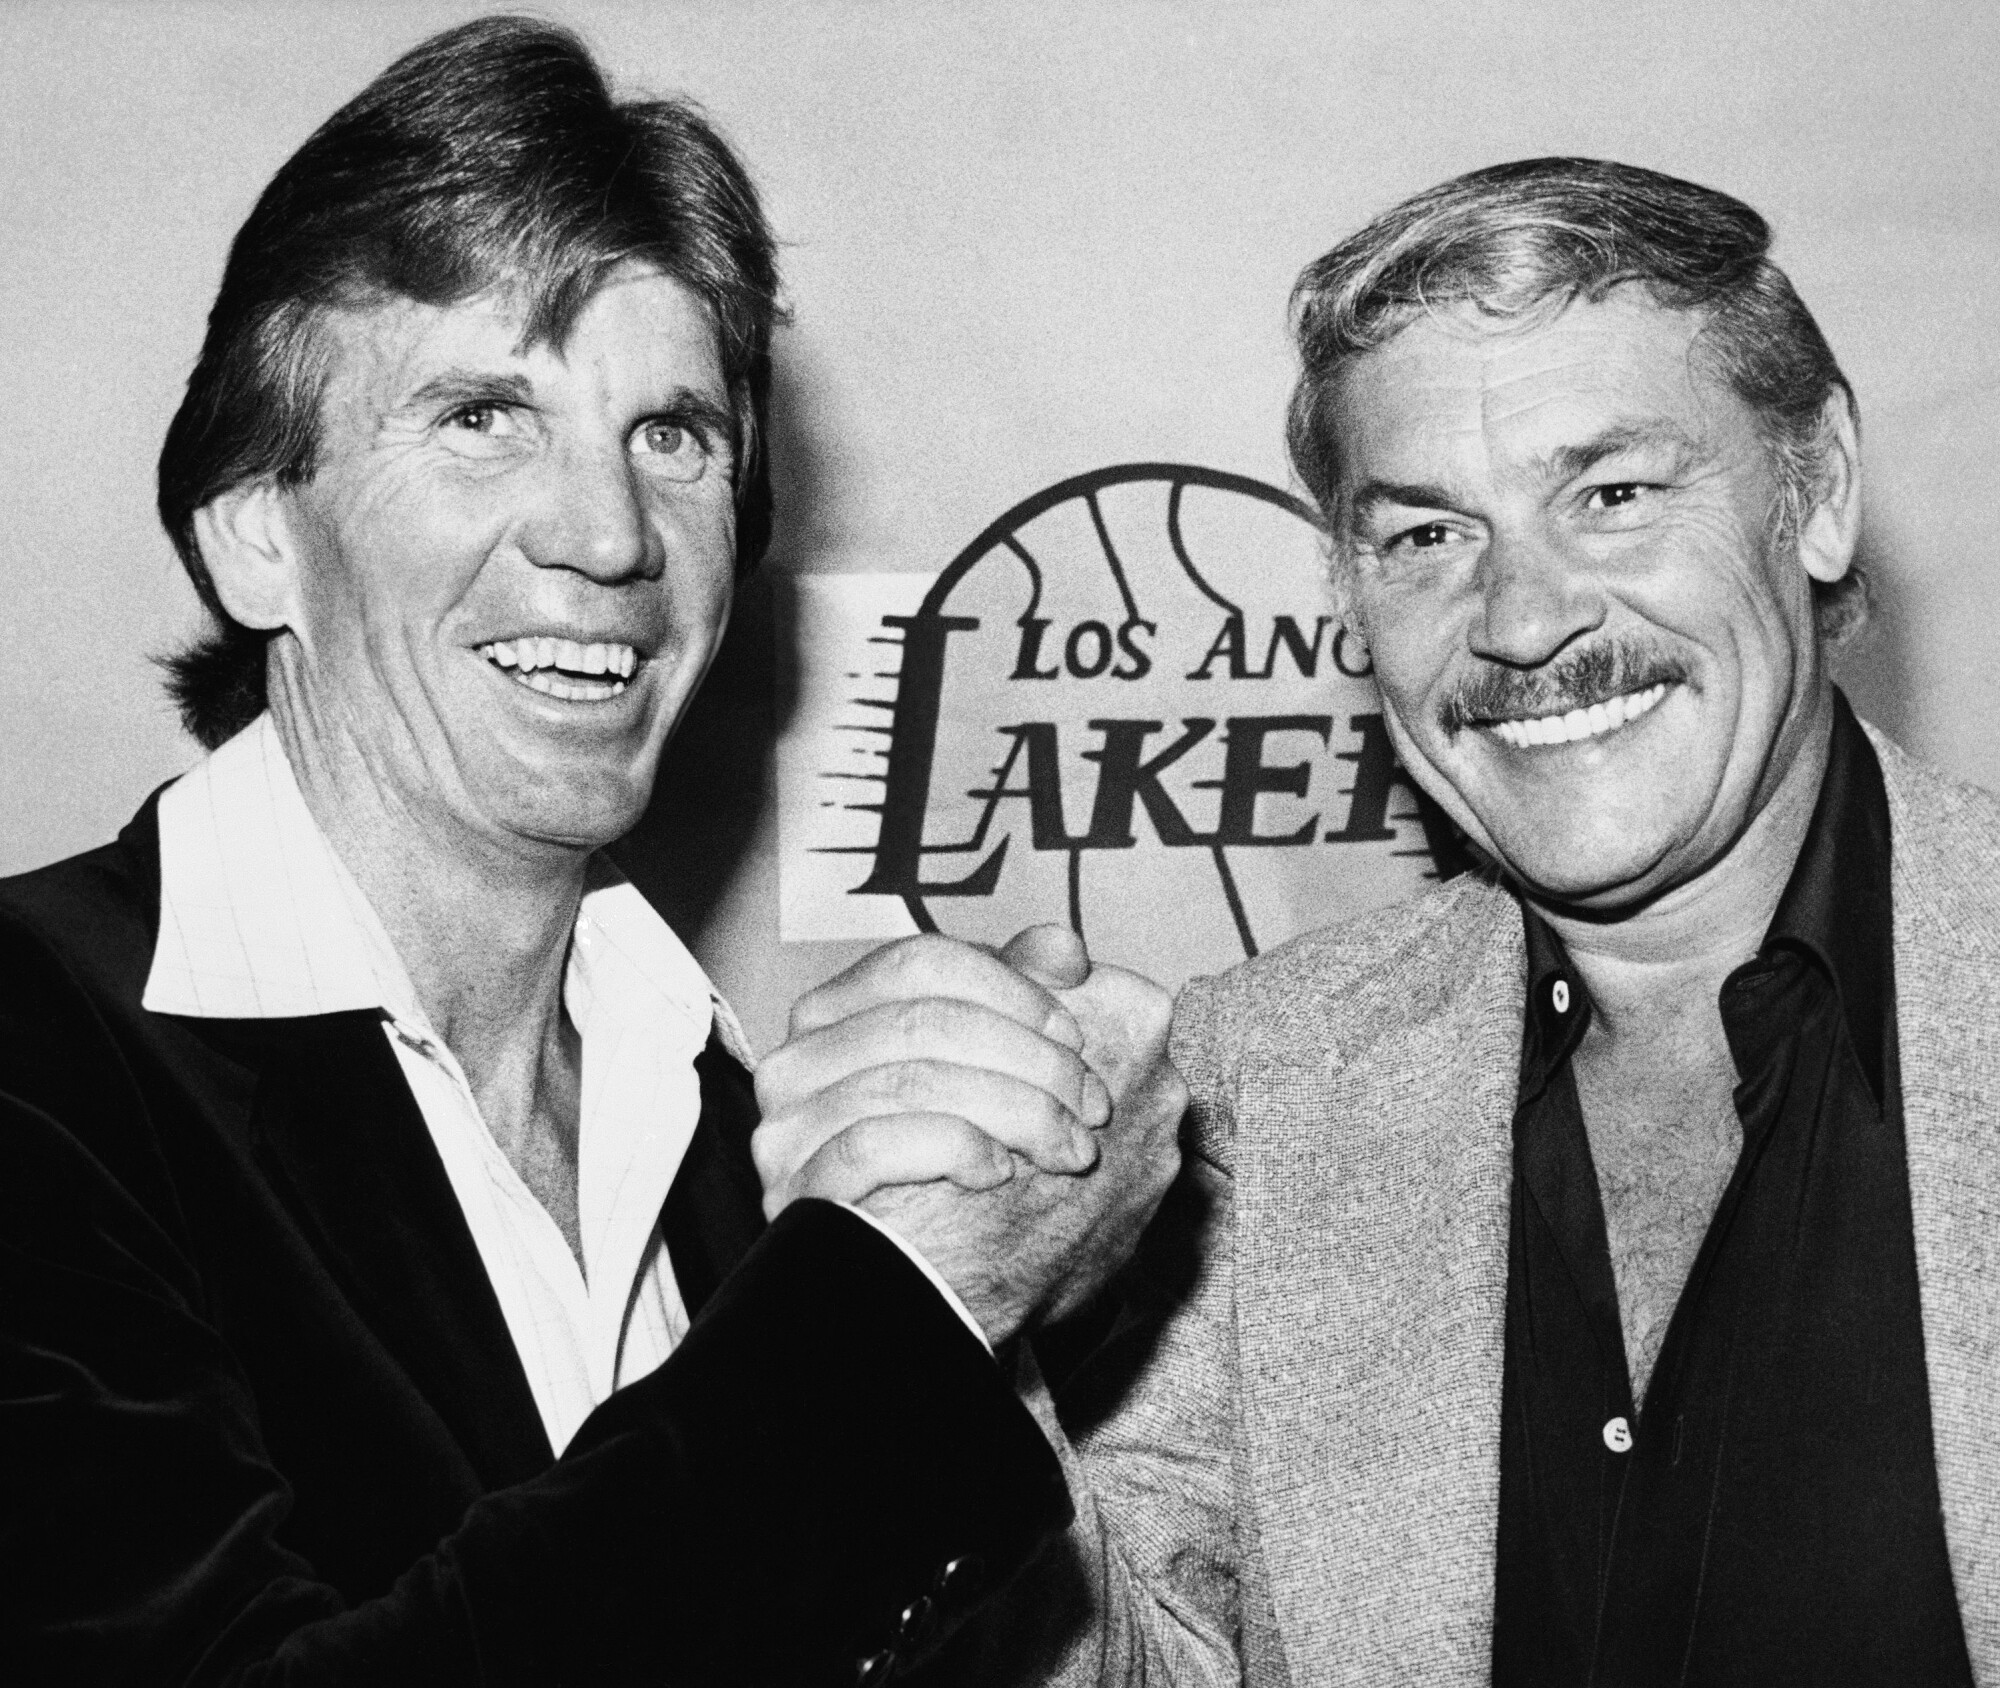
1617,1435
1559,999
910,1626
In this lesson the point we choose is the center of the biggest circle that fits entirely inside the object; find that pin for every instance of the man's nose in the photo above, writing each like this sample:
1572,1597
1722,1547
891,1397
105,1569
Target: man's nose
593,517
1533,601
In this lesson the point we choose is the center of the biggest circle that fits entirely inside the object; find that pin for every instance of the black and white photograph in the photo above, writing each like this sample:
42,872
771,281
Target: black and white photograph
1129,844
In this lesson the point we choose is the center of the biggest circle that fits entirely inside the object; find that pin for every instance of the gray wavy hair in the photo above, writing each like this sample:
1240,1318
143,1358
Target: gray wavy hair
1517,240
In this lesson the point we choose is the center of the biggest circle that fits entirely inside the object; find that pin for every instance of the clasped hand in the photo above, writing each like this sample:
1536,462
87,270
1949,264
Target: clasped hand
1013,1116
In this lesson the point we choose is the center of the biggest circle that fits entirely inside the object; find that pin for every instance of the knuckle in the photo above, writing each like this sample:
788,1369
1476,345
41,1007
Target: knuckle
944,1017
1153,1010
956,1140
849,1151
945,1027
772,1080
926,953
774,1150
907,1082
910,1085
1040,1118
910,1020
814,1008
1071,1074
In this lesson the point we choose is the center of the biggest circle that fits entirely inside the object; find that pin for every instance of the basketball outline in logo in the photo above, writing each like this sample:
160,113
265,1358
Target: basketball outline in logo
900,849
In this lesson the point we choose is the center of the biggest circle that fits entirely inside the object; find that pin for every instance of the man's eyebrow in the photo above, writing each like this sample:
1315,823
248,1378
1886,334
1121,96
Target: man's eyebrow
464,386
1566,462
1372,495
699,407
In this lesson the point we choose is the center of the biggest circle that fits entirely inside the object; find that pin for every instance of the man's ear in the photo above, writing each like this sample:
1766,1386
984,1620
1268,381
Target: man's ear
247,544
1833,527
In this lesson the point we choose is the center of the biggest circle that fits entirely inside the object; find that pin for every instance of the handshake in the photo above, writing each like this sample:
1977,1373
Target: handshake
1010,1115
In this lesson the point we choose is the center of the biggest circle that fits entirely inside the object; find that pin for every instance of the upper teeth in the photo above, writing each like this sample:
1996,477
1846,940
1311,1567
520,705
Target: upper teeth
529,654
1580,723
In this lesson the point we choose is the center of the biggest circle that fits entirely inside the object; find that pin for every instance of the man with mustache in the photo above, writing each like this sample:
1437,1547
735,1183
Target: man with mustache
1588,1272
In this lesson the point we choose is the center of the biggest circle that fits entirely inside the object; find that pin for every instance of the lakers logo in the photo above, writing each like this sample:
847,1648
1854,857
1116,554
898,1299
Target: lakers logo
1127,705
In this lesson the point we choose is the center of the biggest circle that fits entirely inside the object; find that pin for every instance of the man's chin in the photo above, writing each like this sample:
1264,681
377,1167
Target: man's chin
576,814
1607,874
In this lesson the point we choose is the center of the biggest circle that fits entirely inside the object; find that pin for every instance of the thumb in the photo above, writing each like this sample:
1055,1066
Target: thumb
1053,956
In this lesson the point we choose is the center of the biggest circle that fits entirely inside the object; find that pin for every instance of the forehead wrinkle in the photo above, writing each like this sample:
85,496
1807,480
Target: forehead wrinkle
1452,404
377,351
384,353
1566,462
1511,398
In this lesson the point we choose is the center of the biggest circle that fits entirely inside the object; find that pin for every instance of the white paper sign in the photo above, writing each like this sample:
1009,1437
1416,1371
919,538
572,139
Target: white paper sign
834,750
1126,706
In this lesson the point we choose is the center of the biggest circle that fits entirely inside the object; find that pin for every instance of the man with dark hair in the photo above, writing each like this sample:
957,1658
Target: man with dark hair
1589,1272
490,155
385,1288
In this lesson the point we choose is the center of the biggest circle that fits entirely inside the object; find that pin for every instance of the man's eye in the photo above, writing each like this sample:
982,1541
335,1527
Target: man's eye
481,423
676,450
1613,496
1422,538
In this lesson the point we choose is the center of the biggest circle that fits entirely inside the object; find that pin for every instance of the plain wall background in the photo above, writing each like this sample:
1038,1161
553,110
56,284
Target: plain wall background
1023,241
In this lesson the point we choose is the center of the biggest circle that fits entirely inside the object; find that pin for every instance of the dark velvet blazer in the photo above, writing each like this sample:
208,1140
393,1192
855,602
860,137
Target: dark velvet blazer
261,1419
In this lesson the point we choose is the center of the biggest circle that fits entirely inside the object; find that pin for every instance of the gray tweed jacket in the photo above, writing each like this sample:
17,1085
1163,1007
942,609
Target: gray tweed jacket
1300,1485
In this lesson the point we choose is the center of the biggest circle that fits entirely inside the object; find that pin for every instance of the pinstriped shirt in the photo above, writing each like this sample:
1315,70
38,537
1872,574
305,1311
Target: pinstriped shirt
259,918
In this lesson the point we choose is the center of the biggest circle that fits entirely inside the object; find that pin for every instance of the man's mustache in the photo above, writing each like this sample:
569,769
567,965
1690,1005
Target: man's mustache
1575,680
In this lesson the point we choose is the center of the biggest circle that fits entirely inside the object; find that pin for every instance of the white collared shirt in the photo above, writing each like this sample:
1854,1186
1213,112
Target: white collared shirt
259,918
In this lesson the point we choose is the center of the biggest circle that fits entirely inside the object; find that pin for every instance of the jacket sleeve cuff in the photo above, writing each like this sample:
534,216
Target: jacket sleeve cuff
936,1279
864,1472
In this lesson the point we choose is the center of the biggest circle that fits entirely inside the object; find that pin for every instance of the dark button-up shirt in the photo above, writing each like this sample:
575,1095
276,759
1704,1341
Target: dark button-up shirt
1770,1515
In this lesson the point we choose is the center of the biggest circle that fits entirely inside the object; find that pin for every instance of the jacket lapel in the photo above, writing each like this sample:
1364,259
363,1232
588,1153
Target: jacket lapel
715,1207
1372,1270
327,1115
1948,1033
335,1128
1372,1368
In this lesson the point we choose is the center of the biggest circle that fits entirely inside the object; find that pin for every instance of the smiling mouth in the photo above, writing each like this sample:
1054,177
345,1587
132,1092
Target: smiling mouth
561,668
1594,722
